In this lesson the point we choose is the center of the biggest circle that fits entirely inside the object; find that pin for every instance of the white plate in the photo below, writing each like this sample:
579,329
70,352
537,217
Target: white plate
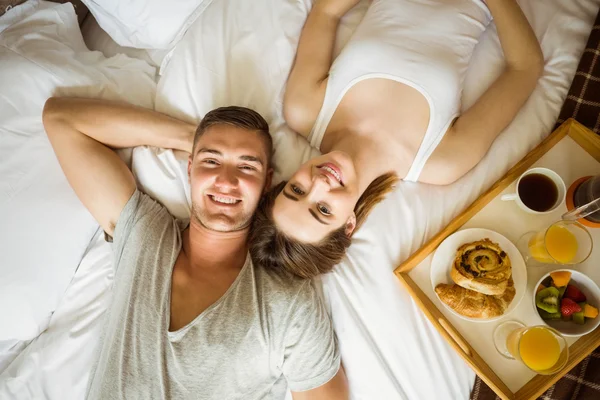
442,260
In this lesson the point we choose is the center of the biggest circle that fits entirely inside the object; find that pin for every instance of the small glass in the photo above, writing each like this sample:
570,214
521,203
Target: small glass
563,242
540,348
583,211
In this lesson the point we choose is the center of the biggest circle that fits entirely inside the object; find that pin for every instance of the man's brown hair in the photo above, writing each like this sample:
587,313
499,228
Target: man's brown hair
240,117
270,248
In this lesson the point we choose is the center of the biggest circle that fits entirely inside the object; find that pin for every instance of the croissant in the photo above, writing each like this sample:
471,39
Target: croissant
473,304
482,266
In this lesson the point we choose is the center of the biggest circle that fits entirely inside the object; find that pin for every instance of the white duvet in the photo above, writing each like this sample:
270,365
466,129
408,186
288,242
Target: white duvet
44,229
240,52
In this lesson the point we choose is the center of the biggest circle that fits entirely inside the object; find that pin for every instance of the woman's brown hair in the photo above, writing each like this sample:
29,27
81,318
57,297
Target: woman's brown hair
270,248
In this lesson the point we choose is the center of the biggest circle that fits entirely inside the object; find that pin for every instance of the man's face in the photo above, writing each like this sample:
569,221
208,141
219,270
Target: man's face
228,174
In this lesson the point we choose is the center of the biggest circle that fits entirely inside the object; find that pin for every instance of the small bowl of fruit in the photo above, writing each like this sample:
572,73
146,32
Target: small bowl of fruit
568,301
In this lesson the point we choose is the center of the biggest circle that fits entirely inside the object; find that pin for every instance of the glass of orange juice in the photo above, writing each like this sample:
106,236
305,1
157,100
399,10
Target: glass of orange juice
563,242
542,349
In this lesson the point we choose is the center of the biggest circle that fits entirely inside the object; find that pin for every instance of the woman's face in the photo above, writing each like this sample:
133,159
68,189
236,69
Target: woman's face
318,199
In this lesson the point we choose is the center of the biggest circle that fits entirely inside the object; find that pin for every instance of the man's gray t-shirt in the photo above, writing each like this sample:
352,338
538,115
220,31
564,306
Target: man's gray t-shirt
264,334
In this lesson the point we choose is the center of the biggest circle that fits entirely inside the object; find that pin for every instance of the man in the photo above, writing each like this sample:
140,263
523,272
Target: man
191,317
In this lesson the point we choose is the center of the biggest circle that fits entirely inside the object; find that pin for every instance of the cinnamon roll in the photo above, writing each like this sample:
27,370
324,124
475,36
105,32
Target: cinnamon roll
482,266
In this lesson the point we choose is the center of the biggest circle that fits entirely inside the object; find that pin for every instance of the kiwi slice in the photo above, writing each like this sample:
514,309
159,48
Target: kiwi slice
561,293
549,316
578,317
547,299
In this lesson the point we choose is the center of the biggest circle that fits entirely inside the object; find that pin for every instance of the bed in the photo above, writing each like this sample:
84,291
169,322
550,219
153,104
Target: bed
389,349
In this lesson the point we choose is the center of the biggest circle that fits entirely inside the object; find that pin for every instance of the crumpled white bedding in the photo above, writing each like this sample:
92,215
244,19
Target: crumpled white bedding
98,40
240,52
44,229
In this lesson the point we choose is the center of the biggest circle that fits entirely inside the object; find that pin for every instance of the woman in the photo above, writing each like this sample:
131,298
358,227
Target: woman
387,109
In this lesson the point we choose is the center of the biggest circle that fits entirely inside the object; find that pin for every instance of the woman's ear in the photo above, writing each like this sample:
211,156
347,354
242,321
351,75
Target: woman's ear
350,225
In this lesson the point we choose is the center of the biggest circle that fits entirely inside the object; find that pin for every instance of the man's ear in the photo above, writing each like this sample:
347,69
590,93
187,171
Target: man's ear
268,180
189,169
350,225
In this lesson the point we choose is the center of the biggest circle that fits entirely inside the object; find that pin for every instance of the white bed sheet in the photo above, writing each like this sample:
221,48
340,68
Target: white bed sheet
57,364
389,349
44,228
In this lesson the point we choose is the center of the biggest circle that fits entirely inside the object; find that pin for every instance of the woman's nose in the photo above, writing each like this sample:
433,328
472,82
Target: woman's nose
320,185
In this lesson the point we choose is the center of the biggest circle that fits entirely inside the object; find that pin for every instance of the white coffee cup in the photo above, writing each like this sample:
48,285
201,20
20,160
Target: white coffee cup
558,182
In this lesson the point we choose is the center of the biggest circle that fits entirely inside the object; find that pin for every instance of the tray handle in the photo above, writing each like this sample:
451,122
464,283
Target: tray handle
455,336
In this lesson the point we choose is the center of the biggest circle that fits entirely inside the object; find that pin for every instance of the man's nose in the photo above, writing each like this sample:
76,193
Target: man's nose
227,177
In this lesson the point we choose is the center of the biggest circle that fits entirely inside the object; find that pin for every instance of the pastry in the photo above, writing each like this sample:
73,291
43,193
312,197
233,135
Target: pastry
473,304
482,266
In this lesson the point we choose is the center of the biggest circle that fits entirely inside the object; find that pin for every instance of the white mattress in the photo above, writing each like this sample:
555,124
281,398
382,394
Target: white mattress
389,349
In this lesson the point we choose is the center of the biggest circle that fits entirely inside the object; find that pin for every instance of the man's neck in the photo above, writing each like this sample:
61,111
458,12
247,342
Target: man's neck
208,249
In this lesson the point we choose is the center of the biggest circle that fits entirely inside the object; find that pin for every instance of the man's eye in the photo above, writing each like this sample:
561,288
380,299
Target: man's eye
248,168
297,190
323,209
211,161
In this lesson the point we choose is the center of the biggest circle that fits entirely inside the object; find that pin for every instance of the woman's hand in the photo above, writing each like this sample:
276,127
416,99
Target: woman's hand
335,8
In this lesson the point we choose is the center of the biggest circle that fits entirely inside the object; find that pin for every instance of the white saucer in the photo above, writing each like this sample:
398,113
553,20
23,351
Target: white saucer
442,260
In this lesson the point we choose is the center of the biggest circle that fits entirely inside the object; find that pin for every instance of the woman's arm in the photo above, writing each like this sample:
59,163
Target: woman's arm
496,108
306,84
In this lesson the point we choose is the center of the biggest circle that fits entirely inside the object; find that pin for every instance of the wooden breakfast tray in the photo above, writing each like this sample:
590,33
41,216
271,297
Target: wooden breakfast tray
583,346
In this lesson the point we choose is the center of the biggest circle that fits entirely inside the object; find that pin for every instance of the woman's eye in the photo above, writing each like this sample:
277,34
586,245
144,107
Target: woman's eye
297,190
323,209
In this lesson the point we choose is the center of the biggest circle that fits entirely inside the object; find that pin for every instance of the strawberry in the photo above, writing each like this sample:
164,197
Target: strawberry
574,294
568,307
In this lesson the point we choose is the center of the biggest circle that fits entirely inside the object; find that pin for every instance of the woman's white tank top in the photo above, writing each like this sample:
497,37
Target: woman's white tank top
425,44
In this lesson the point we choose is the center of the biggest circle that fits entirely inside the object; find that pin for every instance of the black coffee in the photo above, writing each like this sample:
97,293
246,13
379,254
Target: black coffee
538,192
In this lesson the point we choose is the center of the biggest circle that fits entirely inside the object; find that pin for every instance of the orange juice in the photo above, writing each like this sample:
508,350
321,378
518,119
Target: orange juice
537,248
558,244
561,244
539,349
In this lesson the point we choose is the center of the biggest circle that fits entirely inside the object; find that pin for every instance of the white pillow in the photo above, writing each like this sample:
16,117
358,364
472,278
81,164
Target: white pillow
146,24
44,228
96,38
238,52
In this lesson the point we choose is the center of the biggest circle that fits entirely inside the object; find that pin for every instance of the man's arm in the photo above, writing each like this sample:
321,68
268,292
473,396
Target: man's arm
335,389
82,133
311,353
